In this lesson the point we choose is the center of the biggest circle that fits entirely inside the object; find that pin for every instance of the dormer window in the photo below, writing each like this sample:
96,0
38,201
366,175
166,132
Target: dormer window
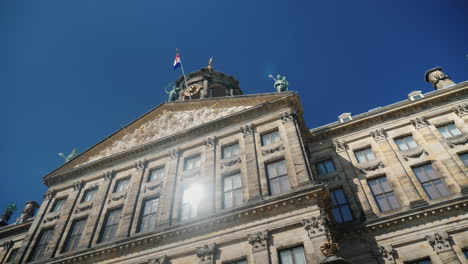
415,95
345,117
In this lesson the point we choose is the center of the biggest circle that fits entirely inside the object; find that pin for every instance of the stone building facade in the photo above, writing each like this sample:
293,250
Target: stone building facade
221,177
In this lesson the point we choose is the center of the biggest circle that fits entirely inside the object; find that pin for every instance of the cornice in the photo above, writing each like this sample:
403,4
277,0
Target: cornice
14,229
300,198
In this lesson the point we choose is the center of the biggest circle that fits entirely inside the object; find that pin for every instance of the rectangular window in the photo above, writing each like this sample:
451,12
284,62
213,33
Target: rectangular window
449,130
406,143
383,194
192,163
270,138
156,174
292,256
421,261
148,215
232,190
430,181
111,224
325,167
59,204
121,185
41,244
243,261
89,195
12,256
464,158
190,201
278,177
75,235
465,252
364,155
230,151
341,210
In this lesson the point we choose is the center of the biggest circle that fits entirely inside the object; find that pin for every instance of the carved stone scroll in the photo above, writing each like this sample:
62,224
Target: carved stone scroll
78,185
419,122
272,150
461,110
50,219
175,153
210,141
247,129
207,253
259,241
141,164
108,175
288,116
317,226
388,254
379,134
230,163
339,146
116,198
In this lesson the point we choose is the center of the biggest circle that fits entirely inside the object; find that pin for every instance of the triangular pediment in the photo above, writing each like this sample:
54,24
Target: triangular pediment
165,120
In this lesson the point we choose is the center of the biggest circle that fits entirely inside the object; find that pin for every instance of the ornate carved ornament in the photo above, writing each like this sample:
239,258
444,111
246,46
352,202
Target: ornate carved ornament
206,253
83,208
459,140
49,194
210,141
175,153
160,260
230,163
413,153
28,212
7,245
419,122
141,164
388,254
317,226
116,198
272,150
339,146
78,185
50,219
248,129
288,116
371,165
379,134
461,110
440,241
108,175
152,187
329,249
259,241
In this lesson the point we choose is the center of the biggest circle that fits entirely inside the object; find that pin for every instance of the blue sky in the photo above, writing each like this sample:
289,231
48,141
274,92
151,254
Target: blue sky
73,72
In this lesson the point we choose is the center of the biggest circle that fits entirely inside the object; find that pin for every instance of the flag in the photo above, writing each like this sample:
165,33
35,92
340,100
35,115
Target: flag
176,61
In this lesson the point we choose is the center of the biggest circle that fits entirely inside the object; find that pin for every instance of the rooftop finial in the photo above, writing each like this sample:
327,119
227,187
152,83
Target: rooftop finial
438,78
210,63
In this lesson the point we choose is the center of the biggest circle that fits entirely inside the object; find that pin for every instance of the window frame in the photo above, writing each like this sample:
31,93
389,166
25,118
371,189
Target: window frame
430,180
34,256
280,260
192,157
323,161
269,134
339,205
227,146
439,127
95,189
460,156
401,139
384,193
105,225
151,214
12,255
279,177
119,181
232,190
63,201
361,150
158,176
70,236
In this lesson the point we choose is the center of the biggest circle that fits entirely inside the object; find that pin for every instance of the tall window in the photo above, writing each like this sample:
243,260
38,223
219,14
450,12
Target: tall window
278,177
156,174
341,211
292,256
232,190
406,143
230,151
430,181
449,130
464,158
270,138
59,204
192,163
111,224
89,195
364,155
325,167
383,194
121,185
421,261
41,246
12,255
190,201
75,235
148,215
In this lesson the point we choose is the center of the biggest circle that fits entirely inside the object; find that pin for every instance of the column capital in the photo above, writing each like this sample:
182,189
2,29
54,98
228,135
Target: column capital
247,129
440,241
461,110
140,165
339,146
207,253
259,241
379,134
49,194
108,175
78,185
210,141
419,122
288,116
175,153
388,254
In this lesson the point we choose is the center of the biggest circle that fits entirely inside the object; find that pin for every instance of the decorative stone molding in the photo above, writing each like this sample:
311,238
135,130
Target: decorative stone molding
230,163
272,150
248,129
210,141
259,241
413,153
83,208
49,194
339,146
7,245
140,165
116,198
288,116
379,134
108,175
160,260
440,241
419,122
371,165
78,185
206,253
461,110
388,254
329,249
459,140
317,226
175,153
50,219
151,187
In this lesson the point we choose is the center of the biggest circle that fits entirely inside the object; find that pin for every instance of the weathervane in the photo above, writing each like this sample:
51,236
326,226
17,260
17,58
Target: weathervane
70,156
281,84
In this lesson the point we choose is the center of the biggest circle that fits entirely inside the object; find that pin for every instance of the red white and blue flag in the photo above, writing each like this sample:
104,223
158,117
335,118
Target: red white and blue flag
177,61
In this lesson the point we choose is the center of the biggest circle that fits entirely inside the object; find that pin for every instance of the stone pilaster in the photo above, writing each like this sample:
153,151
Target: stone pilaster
208,179
260,247
207,254
167,210
441,242
251,162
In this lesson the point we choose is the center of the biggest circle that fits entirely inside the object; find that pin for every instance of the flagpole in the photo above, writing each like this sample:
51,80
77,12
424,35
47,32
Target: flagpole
183,72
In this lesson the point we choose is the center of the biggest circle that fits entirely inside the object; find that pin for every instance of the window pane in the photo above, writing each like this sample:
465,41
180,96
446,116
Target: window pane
382,203
286,257
236,181
330,166
411,143
237,197
298,255
453,130
321,168
360,156
375,187
111,225
394,204
156,174
227,183
270,138
401,144
431,190
292,256
464,158
340,196
420,174
441,187
228,200
271,170
58,205
41,246
284,184
346,213
385,185
121,185
370,154
281,168
444,132
337,215
90,195
75,235
149,214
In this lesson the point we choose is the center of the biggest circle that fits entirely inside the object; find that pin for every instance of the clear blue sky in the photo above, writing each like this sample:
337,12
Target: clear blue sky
73,72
